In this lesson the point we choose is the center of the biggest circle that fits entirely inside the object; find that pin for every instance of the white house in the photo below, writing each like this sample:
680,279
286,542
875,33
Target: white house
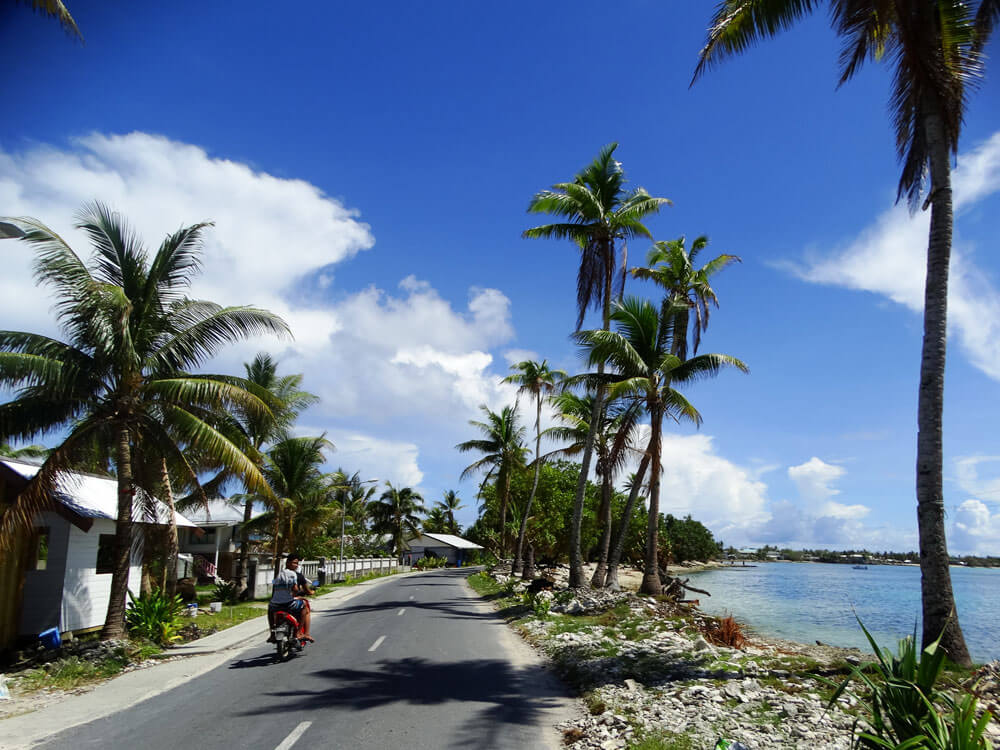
453,548
213,550
66,581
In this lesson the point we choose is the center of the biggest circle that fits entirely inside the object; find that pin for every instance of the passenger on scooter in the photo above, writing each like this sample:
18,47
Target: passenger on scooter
288,588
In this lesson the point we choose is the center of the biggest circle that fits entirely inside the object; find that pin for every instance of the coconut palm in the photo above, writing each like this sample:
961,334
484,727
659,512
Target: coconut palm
120,378
598,214
451,503
936,48
397,513
299,487
612,443
538,379
286,399
671,266
503,448
644,368
57,10
436,521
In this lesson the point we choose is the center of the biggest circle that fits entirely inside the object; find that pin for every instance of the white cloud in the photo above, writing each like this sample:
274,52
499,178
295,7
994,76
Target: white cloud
813,479
374,458
889,258
974,529
375,357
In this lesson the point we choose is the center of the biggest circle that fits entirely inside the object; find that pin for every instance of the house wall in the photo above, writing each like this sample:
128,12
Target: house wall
43,589
87,592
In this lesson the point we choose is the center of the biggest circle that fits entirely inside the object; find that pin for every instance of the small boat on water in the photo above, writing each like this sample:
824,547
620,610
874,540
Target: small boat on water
861,567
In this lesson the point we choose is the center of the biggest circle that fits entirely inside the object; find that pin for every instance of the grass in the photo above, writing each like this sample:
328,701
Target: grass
74,672
665,741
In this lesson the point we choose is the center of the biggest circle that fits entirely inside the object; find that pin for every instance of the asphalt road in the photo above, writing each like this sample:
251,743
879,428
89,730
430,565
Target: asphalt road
417,662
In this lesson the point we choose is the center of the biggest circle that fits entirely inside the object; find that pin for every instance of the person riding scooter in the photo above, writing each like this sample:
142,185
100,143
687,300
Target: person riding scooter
288,588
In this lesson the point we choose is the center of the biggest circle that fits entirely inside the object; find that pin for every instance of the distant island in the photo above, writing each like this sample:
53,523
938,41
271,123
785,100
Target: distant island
849,557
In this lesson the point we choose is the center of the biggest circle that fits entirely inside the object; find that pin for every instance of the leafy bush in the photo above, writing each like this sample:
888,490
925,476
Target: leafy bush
427,563
563,596
154,616
539,603
226,592
902,701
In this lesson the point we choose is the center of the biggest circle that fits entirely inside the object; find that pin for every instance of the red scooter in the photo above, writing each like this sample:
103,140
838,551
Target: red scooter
287,634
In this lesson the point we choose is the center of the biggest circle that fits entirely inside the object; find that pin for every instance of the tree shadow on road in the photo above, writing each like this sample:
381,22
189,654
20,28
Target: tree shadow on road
513,696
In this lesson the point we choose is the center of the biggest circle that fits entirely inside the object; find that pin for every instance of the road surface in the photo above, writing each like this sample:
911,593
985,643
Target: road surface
418,661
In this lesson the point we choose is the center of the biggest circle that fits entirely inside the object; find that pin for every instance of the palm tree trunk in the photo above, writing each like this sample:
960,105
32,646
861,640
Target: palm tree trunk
597,580
241,562
576,579
529,563
939,613
114,621
503,510
172,543
651,574
516,568
611,582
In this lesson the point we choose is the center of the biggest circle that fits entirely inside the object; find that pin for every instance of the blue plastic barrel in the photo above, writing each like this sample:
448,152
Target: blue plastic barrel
50,638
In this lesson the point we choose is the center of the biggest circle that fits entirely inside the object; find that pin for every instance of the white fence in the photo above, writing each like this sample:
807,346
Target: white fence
333,570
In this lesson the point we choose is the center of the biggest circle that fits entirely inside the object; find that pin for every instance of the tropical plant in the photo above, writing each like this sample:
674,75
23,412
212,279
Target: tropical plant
57,10
503,448
121,380
598,214
154,616
436,521
227,592
286,399
538,379
27,451
671,266
643,368
396,513
612,443
936,48
451,503
900,698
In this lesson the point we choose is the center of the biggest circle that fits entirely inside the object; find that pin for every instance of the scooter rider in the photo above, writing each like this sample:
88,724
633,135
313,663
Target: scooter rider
288,588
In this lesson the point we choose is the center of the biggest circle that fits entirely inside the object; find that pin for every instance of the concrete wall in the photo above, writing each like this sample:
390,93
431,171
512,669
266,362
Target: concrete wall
352,568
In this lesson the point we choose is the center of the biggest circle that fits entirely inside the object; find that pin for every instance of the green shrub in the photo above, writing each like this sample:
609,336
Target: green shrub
226,592
154,616
902,701
427,563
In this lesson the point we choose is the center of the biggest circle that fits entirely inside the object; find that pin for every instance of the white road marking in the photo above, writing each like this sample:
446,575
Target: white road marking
411,598
294,736
377,643
400,612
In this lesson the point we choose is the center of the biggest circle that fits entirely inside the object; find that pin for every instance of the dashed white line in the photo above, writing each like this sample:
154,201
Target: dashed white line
401,612
377,643
411,597
294,736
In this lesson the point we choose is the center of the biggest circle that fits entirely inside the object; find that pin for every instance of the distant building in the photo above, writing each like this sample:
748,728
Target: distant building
453,548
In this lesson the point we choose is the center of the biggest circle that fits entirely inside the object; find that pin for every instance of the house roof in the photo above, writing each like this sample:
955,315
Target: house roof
449,540
220,512
90,496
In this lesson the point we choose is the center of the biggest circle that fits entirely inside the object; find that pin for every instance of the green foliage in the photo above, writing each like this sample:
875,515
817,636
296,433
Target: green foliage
902,700
226,592
154,616
540,605
688,539
429,563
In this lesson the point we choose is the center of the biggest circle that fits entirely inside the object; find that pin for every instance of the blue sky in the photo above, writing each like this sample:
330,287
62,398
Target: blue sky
368,168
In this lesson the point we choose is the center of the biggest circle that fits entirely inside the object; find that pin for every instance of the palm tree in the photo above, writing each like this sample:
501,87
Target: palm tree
612,441
936,48
287,400
28,451
671,266
451,503
599,214
503,449
57,10
396,512
293,471
436,521
643,368
538,379
121,377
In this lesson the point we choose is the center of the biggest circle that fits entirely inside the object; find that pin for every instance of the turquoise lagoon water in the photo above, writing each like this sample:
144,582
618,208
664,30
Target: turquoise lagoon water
806,602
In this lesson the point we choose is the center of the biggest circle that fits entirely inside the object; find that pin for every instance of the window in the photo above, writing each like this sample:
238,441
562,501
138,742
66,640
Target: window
39,549
106,553
209,536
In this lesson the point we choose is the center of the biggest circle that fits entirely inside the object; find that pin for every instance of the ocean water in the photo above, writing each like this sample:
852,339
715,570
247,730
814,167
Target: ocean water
806,602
